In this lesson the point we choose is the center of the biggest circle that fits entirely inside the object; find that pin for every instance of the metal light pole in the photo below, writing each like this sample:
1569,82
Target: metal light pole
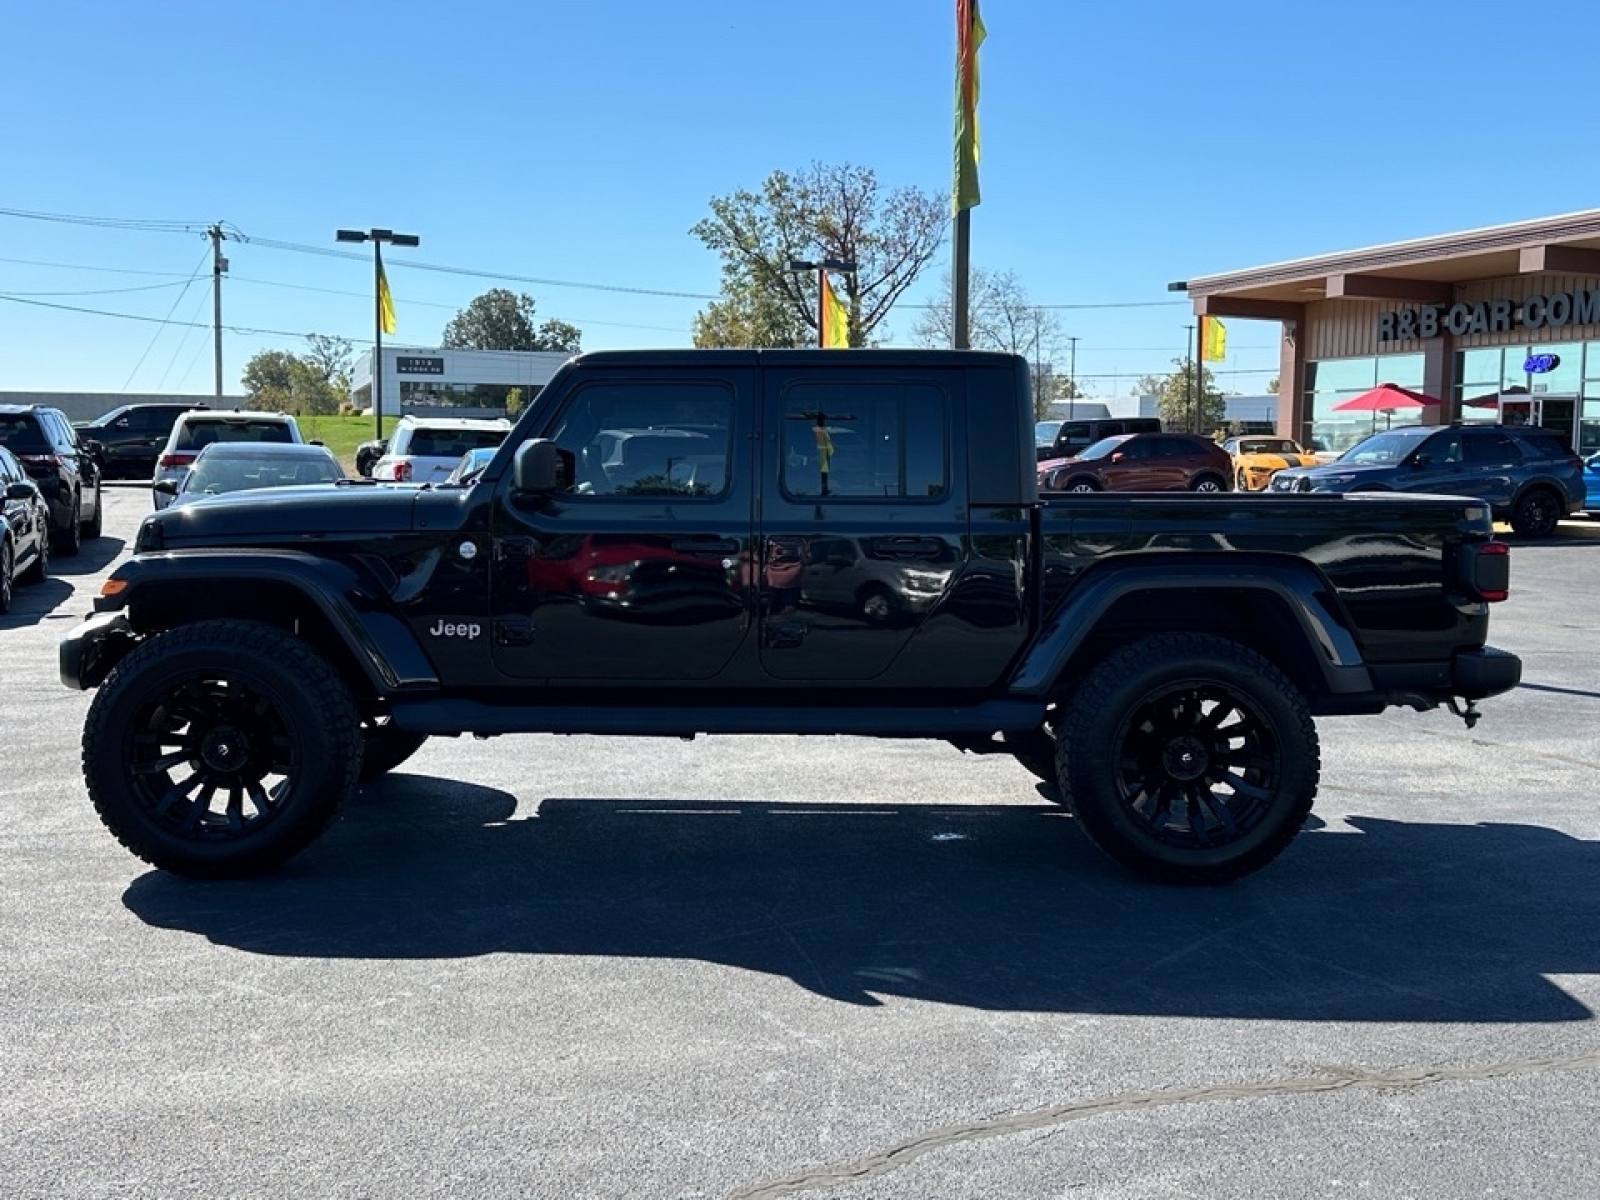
377,237
1072,378
827,264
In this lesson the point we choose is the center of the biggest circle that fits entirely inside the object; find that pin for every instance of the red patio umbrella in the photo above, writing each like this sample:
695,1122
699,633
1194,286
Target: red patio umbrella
1385,398
1492,400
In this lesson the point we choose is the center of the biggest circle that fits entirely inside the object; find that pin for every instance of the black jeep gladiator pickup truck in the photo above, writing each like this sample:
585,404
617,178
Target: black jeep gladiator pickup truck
682,542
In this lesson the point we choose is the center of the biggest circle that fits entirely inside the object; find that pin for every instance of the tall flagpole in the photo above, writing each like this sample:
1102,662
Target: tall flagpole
969,36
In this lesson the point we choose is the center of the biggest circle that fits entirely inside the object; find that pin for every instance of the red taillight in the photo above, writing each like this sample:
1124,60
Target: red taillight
402,471
1491,570
174,460
41,460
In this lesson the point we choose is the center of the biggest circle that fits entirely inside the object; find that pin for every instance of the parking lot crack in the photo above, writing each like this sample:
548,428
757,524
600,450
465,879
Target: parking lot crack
1323,1079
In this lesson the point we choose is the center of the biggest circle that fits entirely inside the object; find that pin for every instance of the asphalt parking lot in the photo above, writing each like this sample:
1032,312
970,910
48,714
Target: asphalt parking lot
573,967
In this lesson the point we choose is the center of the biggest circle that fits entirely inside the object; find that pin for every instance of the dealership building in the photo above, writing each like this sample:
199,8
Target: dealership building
1497,324
424,380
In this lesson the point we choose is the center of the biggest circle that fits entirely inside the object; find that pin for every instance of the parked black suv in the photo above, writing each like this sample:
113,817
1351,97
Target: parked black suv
1527,474
67,474
1063,439
126,441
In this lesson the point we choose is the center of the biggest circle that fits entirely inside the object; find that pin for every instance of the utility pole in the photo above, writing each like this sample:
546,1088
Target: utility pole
218,266
1072,377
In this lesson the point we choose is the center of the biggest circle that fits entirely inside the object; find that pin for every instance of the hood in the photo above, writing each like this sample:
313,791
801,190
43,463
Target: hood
1324,470
297,513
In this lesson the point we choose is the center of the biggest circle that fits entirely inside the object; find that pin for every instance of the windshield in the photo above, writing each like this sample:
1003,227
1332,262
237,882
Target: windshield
1044,433
1383,449
1103,447
1269,446
236,473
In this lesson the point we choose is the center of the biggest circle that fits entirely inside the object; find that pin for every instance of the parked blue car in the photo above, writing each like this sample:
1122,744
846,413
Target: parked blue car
1527,474
1591,485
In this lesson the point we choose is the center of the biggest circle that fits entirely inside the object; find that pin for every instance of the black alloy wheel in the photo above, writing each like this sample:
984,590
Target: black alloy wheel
1189,758
1537,513
220,749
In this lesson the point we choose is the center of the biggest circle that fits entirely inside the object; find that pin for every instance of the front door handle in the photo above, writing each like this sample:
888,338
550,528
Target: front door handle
705,545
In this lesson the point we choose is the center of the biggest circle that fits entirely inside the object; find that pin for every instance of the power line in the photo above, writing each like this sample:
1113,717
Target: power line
175,302
239,329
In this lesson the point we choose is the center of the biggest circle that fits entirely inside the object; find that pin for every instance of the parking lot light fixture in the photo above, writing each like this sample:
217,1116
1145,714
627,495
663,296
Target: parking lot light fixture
377,237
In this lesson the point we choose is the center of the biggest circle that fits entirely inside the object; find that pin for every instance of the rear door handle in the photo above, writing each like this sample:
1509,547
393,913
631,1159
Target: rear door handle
706,545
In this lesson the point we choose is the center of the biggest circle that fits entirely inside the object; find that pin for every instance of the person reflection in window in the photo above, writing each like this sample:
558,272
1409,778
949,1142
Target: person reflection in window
824,450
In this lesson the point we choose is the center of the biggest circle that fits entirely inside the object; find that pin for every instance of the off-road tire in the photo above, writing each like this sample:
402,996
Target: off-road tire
1536,514
1188,758
221,749
384,747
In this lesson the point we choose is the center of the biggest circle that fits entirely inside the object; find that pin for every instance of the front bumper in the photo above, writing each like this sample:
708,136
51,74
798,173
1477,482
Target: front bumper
90,649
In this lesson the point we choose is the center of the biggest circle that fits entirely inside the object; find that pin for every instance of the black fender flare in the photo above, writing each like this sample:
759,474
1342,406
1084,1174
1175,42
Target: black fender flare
354,603
1297,585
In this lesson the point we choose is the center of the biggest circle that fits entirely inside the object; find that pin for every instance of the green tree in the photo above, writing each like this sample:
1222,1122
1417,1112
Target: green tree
1175,398
278,381
503,320
823,212
331,357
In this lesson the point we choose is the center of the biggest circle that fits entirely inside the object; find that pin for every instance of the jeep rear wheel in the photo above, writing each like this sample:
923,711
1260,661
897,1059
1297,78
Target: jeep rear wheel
220,749
1188,758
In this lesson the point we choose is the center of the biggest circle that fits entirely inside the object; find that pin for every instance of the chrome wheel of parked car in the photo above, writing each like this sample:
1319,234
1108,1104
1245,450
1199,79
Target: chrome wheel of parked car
1188,758
220,749
1207,483
1082,485
1537,513
1241,482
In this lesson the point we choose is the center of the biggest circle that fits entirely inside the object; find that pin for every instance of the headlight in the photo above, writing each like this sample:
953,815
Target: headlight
149,538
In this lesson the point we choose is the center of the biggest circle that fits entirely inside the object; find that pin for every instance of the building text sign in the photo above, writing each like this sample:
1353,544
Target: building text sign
418,366
1554,311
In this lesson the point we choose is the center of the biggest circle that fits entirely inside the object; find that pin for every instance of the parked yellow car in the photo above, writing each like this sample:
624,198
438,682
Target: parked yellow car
1255,459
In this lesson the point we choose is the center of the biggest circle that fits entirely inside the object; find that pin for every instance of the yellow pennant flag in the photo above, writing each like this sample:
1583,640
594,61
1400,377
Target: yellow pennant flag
385,301
1213,340
969,36
835,320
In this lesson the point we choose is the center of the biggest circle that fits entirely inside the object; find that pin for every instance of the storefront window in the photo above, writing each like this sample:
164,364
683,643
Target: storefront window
1332,382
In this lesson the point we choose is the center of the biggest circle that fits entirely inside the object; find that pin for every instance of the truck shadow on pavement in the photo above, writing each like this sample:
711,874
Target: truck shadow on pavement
989,907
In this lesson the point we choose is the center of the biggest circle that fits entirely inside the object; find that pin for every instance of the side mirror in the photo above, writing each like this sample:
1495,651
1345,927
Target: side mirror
20,490
167,487
1421,459
1118,456
537,466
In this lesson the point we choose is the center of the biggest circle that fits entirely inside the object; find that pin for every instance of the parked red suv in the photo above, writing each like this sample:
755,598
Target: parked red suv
1142,462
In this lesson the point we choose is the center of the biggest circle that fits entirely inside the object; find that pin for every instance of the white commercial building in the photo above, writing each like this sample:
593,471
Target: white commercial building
464,382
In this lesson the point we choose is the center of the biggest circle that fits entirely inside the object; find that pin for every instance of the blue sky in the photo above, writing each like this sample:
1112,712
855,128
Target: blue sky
1125,145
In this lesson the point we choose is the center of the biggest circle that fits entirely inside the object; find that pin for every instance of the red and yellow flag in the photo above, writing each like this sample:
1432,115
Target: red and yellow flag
1213,340
835,320
969,36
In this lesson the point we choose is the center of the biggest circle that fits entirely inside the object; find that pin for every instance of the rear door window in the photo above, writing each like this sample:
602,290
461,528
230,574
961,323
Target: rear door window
21,433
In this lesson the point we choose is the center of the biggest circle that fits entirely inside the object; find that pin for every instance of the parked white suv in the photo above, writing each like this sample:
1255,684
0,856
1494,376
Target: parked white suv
427,449
194,431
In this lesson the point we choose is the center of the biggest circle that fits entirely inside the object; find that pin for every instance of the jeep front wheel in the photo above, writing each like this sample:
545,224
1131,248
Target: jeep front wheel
1188,758
220,749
